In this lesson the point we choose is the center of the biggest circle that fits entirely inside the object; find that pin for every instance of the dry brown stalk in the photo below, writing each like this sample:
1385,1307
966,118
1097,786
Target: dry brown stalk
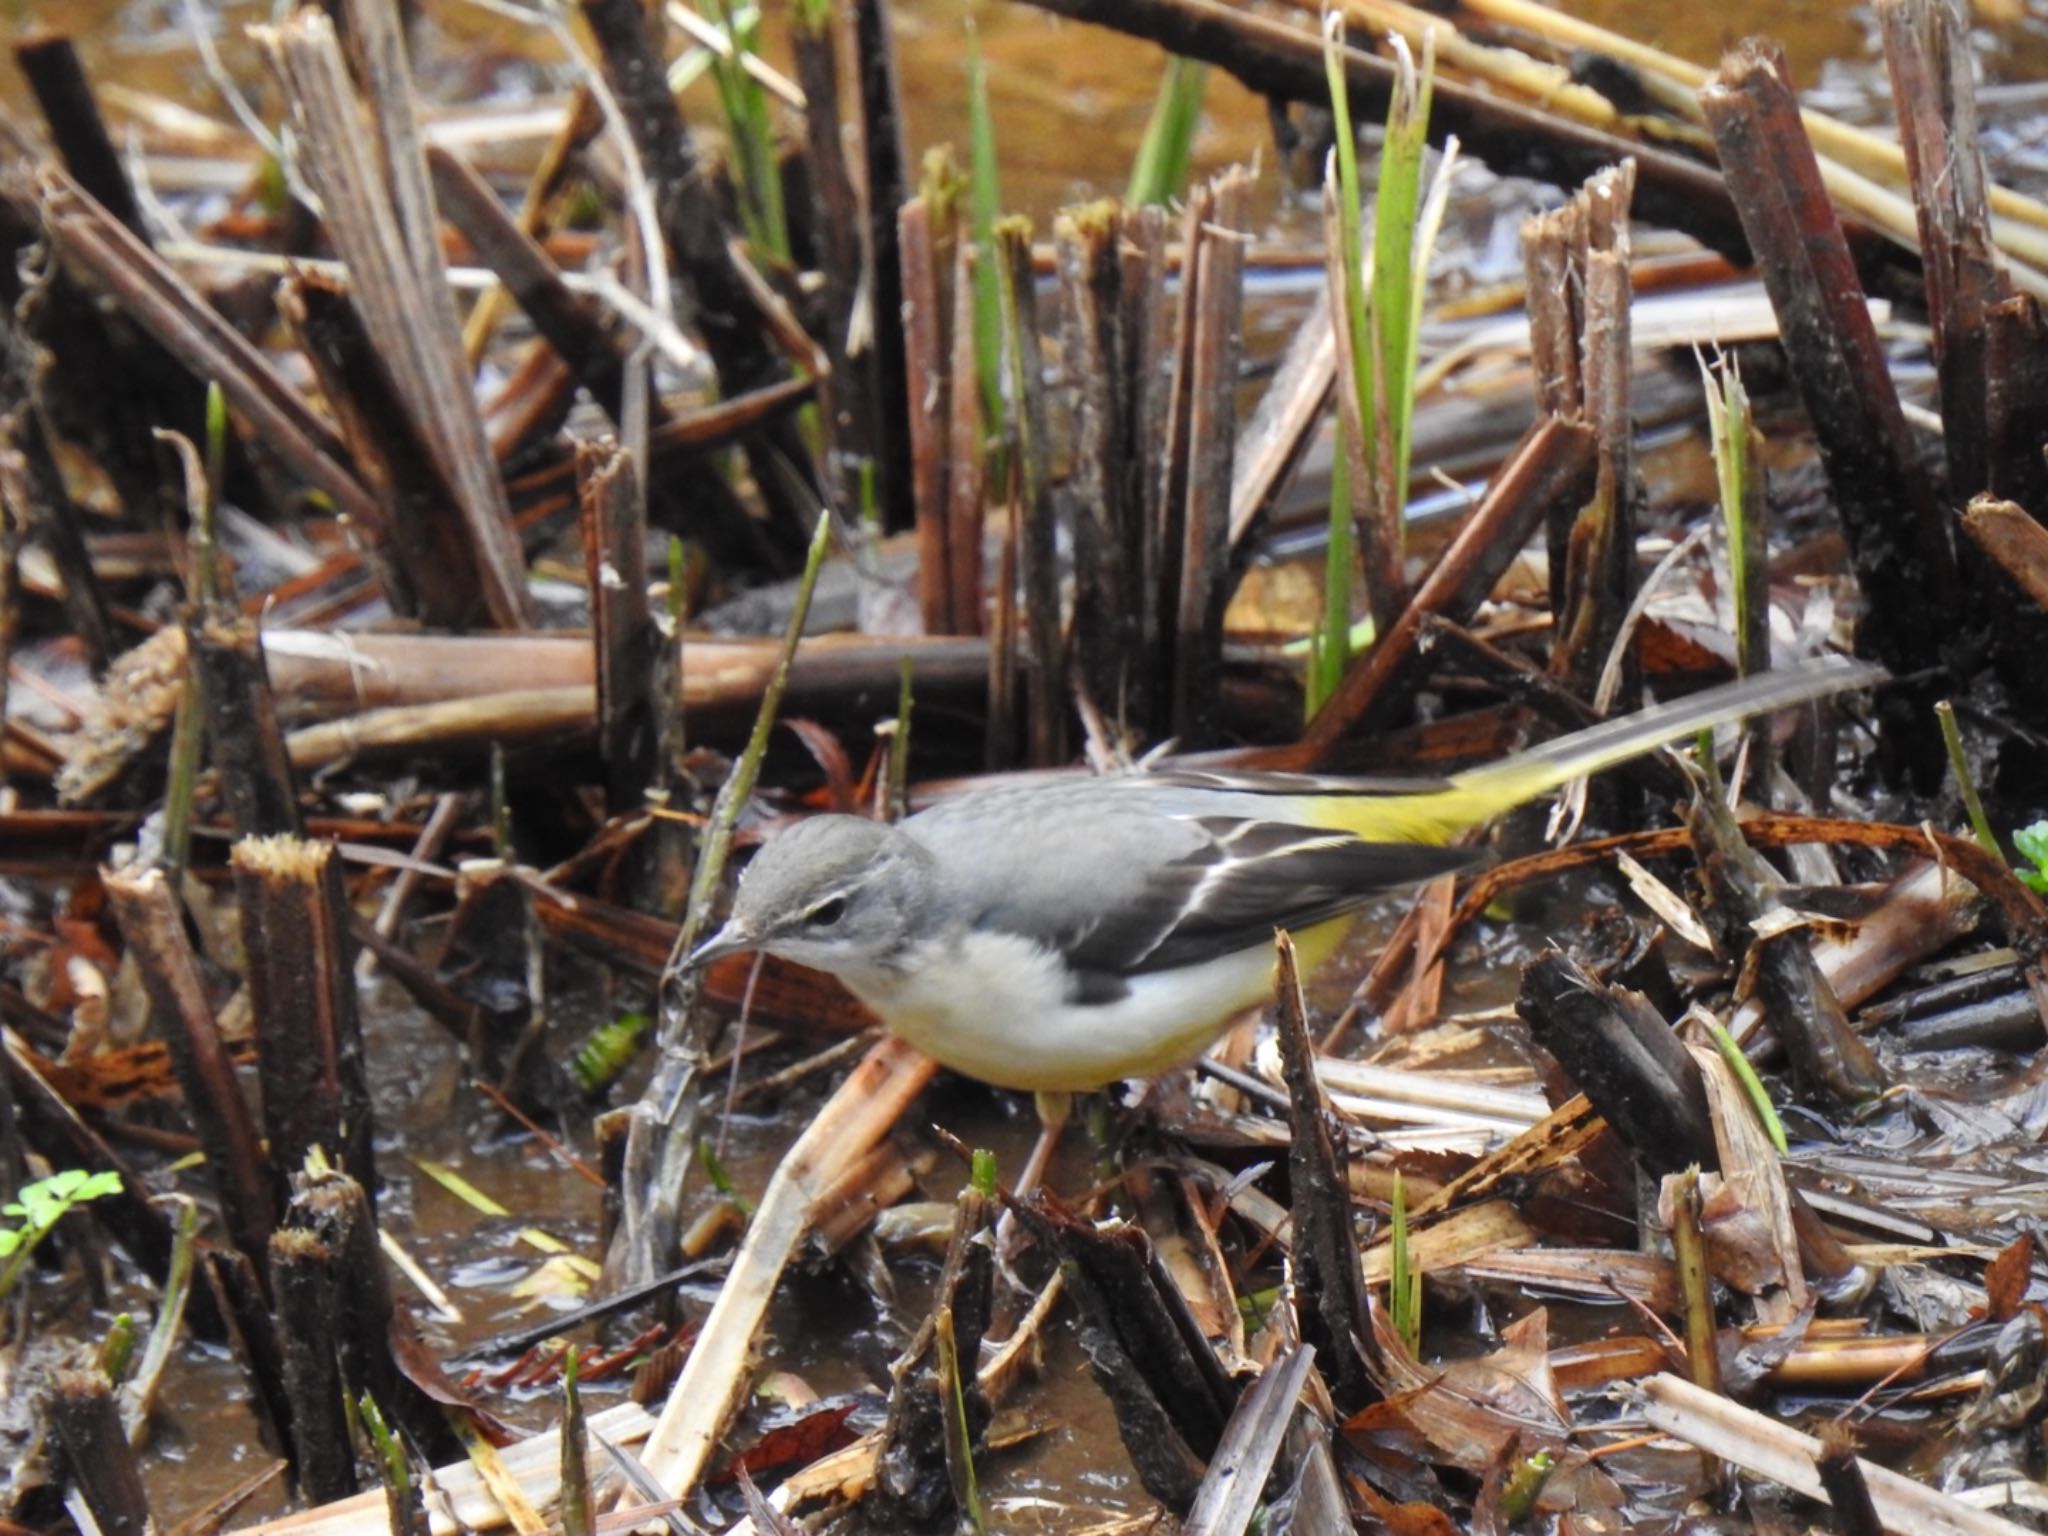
242,735
1214,350
51,65
965,469
153,924
87,1419
380,214
886,185
191,330
1045,684
622,631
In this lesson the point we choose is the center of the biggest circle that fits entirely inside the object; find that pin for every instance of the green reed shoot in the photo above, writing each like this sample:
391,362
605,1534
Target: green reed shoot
1160,172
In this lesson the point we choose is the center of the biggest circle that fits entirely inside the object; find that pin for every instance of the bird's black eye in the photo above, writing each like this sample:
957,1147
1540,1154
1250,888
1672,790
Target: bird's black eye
826,913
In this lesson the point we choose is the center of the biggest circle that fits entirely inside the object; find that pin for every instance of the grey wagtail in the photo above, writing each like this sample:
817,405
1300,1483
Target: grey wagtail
1059,933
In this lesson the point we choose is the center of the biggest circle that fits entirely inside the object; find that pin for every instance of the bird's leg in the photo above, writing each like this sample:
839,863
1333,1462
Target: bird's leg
1053,1109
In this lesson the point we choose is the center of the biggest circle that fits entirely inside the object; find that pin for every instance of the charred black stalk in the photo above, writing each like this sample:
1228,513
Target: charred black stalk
88,1423
301,1278
1626,1060
1329,1286
242,734
411,535
2015,404
31,487
1903,558
152,922
615,567
695,227
309,1043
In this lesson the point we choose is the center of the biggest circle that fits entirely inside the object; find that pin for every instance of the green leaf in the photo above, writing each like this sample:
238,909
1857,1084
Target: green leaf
2032,842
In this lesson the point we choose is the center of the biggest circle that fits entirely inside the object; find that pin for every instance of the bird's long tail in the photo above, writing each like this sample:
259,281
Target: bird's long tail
1481,794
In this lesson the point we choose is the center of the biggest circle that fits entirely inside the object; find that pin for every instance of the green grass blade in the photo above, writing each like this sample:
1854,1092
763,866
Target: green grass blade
984,200
1160,173
1396,283
1351,219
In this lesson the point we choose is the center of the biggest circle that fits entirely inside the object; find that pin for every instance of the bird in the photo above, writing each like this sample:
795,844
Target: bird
1058,932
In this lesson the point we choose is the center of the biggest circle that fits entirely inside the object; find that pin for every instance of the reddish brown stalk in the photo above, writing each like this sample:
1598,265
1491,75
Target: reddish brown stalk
925,403
1552,464
964,467
2009,536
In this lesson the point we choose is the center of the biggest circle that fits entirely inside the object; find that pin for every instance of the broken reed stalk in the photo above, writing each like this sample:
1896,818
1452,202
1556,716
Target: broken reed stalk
1214,351
301,1283
1045,673
1899,543
849,398
334,1209
2018,543
1928,59
570,323
621,628
658,1155
1552,465
50,64
1576,262
1328,1286
887,183
380,213
95,246
302,991
243,738
153,924
1144,337
88,1424
411,534
695,229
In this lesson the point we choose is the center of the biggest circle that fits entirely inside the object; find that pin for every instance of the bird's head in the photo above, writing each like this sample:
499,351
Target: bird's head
837,893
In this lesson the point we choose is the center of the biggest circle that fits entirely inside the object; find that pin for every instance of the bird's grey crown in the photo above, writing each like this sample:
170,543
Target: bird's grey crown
883,877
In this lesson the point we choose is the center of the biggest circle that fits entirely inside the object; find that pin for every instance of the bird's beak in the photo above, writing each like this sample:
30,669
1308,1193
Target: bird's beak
729,940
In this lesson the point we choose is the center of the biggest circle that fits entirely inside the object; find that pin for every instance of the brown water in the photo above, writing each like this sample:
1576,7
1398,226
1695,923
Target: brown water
1070,105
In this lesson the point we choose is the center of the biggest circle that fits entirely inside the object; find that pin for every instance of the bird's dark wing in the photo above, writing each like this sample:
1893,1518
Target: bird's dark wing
1243,881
